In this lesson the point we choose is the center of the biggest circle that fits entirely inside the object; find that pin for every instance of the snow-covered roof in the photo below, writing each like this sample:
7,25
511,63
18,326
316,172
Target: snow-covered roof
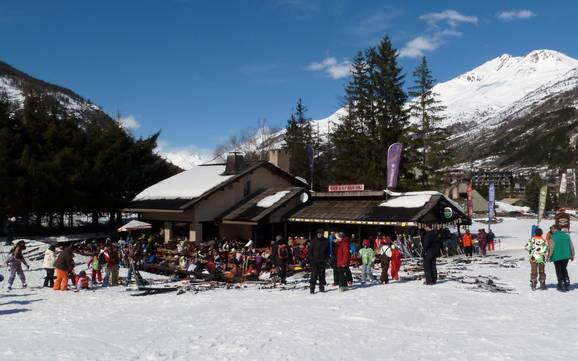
409,201
272,199
186,185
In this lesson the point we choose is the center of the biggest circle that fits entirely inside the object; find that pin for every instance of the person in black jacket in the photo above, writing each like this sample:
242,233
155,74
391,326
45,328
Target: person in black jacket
318,256
431,250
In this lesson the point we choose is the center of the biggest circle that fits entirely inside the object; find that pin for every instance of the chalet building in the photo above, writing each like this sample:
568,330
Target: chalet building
257,200
240,199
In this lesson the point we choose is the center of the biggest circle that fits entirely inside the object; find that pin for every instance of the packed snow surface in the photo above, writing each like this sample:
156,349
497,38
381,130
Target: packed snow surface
269,201
401,321
186,185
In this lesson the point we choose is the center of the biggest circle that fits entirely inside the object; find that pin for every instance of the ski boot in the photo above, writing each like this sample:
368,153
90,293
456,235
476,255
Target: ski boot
543,286
560,287
566,285
533,285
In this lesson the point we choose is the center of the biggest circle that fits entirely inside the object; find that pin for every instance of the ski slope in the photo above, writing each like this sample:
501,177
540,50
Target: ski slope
401,321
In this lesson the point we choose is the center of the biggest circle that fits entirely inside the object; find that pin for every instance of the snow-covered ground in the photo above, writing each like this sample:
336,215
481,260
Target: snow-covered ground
400,321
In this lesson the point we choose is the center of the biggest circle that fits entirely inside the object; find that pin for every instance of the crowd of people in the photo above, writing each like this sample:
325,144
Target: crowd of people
235,261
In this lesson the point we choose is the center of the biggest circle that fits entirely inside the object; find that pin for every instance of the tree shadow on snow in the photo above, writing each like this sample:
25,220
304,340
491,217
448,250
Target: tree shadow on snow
16,310
21,303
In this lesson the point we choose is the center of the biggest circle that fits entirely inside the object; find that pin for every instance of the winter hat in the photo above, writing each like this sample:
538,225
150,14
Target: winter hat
366,242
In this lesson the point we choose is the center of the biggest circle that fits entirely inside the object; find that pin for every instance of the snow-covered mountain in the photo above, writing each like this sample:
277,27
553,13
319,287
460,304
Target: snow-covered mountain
495,98
14,84
506,84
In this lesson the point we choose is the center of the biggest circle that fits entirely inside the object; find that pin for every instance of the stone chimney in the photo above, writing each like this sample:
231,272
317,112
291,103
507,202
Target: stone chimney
280,158
235,163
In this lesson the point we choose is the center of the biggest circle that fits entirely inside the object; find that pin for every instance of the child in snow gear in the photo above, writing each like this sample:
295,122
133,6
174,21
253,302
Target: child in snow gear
95,266
15,262
82,281
64,264
395,262
538,250
48,265
367,259
491,241
468,244
561,250
318,256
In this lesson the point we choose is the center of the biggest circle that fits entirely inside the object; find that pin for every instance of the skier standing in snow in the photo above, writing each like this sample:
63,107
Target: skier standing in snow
64,264
318,256
468,243
367,259
15,262
385,253
48,265
538,249
283,255
395,262
561,251
431,250
491,241
343,256
482,241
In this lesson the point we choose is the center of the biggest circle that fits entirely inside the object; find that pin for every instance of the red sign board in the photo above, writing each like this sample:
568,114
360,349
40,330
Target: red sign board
347,188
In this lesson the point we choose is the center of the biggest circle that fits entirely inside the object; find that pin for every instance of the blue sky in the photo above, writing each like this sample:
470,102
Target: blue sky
202,70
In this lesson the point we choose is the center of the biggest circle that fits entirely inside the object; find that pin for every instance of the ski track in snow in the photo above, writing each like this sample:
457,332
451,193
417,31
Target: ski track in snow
400,321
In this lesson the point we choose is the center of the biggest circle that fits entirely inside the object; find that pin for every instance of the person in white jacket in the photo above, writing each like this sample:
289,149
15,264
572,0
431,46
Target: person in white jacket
48,265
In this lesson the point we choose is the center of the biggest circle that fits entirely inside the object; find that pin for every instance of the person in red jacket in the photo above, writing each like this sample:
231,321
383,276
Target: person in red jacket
342,261
395,262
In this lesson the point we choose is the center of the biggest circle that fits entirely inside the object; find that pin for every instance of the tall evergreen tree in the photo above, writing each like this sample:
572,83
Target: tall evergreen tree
348,139
388,115
430,140
298,135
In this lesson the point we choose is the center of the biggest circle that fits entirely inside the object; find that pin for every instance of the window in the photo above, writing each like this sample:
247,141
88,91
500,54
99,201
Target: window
247,188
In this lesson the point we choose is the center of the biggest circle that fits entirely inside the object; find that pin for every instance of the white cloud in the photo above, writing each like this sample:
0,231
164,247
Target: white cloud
452,17
437,34
515,15
418,46
129,123
332,68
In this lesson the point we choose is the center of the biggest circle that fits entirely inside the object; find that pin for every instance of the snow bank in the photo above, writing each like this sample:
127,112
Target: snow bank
186,185
502,207
269,201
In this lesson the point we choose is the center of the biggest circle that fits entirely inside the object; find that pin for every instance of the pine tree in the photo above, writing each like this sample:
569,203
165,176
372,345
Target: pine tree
298,135
430,140
350,137
388,119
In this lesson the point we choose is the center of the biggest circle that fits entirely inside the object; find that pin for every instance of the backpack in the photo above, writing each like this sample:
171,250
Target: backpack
283,253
